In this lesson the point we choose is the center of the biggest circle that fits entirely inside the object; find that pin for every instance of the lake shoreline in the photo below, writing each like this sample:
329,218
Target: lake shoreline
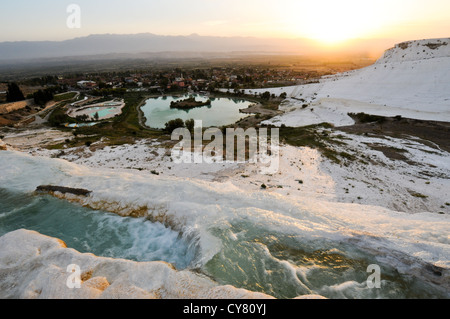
229,114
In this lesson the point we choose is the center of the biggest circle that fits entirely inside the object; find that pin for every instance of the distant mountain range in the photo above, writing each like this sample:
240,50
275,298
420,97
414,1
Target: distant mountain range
150,43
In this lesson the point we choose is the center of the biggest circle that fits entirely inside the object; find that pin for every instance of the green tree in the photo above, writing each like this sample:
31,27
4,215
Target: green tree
174,124
266,95
14,93
174,87
57,119
189,124
212,88
43,96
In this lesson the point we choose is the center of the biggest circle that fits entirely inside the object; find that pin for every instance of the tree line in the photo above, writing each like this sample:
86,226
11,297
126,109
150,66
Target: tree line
40,97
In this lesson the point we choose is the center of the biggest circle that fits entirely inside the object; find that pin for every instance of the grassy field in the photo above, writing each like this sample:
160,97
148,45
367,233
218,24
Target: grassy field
64,96
316,137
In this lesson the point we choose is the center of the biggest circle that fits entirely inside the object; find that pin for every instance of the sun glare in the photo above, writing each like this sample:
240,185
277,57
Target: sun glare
332,33
331,22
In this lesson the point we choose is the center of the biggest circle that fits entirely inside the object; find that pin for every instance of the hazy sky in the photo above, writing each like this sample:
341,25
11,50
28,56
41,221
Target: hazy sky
325,20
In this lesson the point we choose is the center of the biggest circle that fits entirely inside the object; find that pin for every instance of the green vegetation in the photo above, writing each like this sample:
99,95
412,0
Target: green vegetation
120,92
346,156
418,195
310,136
391,152
173,124
189,124
126,128
41,81
64,96
122,129
41,97
367,118
434,46
188,103
59,117
14,94
266,95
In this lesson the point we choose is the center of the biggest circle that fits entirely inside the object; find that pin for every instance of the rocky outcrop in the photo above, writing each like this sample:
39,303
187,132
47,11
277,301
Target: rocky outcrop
63,190
3,146
34,266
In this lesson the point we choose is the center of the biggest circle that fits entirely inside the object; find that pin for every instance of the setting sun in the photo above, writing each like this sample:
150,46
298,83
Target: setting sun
332,22
332,32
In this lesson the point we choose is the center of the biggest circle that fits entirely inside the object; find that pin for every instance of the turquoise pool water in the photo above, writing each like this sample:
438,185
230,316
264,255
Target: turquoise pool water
102,111
73,125
86,230
251,256
222,111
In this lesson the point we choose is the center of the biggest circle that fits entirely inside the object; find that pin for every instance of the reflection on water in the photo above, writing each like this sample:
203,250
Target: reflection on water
222,111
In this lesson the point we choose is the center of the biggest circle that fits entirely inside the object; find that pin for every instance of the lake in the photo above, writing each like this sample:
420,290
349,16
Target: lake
222,111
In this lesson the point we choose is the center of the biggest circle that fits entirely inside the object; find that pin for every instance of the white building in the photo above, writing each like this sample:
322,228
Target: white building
86,84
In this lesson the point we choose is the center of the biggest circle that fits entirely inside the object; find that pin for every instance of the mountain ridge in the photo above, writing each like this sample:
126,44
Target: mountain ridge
96,44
